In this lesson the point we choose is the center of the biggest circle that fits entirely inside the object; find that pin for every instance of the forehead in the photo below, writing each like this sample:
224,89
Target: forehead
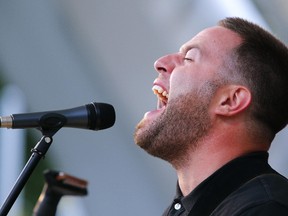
215,38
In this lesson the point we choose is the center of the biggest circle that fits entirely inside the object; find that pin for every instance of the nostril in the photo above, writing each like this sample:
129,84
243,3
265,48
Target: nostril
165,64
161,69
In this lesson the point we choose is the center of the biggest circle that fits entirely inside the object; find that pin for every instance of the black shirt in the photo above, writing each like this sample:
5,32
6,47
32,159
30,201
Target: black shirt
208,195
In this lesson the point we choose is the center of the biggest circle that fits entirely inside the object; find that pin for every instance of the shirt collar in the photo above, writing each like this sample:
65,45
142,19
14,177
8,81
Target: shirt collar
222,177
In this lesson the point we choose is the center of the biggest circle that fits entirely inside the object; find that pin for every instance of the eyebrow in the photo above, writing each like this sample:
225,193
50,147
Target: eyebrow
185,49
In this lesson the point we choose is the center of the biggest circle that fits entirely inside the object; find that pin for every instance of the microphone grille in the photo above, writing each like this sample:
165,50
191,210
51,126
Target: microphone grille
101,116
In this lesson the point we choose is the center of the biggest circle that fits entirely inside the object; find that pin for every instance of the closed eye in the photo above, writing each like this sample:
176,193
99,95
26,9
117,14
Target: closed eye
188,59
191,54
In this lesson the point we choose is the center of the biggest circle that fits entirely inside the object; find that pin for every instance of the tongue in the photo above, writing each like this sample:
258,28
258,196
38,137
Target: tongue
160,104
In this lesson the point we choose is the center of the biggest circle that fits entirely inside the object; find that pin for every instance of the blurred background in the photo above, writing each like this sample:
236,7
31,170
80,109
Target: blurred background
60,54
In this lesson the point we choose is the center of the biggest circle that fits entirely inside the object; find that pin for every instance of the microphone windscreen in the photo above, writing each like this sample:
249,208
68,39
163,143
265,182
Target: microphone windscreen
102,116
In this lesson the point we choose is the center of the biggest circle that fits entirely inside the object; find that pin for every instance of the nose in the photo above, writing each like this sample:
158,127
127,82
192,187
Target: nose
166,63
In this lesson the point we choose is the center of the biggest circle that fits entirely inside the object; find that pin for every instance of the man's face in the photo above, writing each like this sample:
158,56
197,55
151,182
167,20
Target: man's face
185,86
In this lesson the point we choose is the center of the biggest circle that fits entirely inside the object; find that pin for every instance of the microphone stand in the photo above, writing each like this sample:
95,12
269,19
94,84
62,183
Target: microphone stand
38,152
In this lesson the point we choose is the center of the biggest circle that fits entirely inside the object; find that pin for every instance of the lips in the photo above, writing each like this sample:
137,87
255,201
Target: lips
162,95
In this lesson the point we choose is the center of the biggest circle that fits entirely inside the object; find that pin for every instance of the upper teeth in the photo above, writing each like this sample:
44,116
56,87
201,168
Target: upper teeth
158,90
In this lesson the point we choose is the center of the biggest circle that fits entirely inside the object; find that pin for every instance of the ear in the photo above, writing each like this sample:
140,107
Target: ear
232,99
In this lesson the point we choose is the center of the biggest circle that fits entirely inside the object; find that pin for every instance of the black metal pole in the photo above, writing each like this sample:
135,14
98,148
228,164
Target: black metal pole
38,152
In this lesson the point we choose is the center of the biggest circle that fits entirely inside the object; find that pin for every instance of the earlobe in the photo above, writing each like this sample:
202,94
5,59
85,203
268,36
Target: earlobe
232,100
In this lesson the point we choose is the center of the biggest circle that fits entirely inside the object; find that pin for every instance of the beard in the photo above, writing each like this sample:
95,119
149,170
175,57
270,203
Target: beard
179,128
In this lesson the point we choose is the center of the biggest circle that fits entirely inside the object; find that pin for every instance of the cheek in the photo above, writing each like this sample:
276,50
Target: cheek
181,83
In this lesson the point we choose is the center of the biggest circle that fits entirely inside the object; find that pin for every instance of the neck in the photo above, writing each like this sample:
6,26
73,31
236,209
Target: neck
208,158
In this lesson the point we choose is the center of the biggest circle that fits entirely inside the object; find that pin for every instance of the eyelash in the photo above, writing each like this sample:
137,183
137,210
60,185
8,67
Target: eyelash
188,59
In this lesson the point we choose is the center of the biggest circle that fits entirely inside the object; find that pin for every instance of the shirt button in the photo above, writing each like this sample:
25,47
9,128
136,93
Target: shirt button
177,206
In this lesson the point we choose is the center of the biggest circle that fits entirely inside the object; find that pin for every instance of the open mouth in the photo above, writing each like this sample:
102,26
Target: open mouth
162,95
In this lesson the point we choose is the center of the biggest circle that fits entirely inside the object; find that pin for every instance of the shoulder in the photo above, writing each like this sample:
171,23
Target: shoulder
264,195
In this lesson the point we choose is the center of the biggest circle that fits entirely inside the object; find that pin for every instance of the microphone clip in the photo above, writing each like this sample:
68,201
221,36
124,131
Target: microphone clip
51,123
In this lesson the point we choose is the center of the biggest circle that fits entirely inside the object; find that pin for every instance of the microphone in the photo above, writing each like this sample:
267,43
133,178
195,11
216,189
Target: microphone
93,116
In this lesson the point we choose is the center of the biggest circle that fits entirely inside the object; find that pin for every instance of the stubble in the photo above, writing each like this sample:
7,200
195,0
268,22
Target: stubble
179,128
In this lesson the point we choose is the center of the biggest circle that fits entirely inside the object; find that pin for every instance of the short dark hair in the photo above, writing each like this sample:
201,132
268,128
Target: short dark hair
262,61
